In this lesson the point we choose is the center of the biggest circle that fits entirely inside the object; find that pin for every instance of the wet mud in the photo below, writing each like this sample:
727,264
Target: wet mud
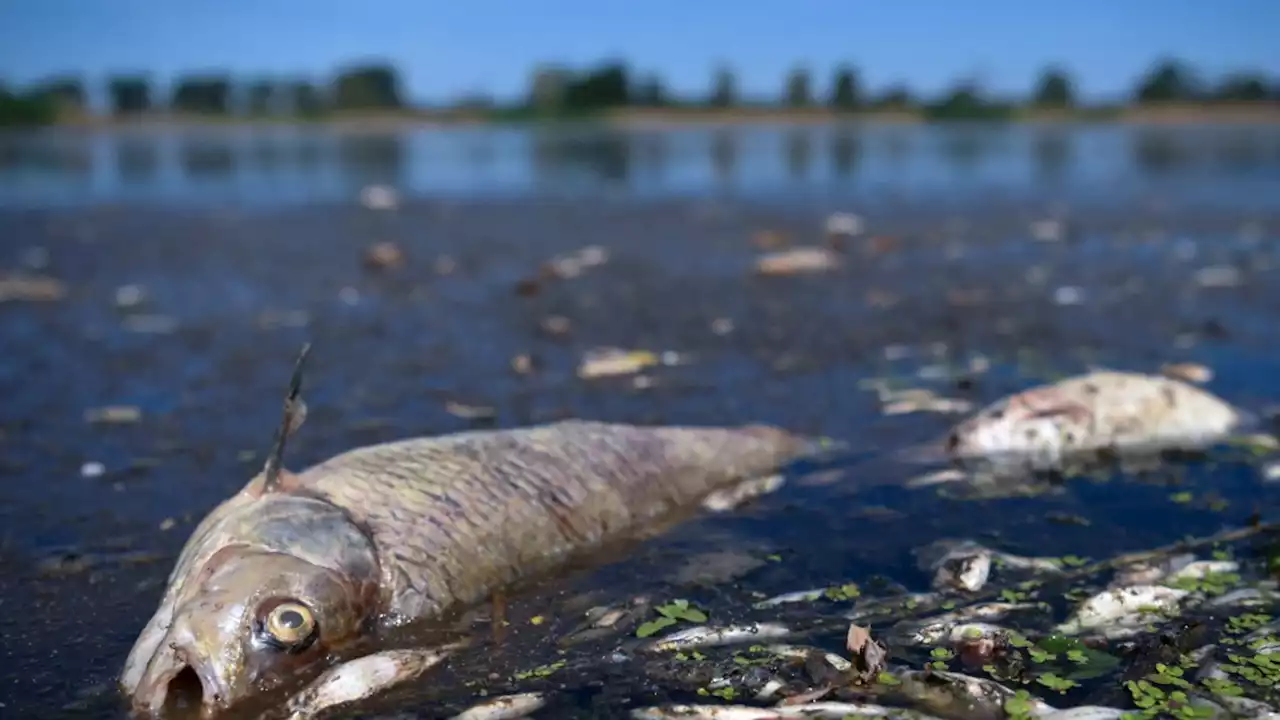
94,508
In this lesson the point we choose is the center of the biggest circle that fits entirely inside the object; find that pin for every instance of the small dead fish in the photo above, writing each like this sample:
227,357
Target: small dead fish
1121,612
1088,416
953,693
957,565
362,678
939,633
703,636
296,567
816,710
507,707
1085,712
879,606
799,596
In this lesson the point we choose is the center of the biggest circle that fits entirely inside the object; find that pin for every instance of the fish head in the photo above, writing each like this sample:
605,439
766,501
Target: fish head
1035,425
264,598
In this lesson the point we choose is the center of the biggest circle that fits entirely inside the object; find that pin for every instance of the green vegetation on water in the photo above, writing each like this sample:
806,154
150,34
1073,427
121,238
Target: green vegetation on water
558,93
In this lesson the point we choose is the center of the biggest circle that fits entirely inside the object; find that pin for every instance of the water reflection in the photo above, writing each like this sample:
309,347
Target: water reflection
799,152
207,157
1159,151
724,154
368,159
1052,148
284,164
845,147
137,159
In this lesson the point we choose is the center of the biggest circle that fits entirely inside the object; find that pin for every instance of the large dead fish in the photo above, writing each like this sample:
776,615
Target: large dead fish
1088,418
282,577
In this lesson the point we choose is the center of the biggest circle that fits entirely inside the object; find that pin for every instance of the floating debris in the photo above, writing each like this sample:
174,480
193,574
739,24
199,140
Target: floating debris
506,707
31,288
379,197
1220,276
575,263
609,362
843,225
798,261
92,469
130,296
470,412
113,415
383,256
868,655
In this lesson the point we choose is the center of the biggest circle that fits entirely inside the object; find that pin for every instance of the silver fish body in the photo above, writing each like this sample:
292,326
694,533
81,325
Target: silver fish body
282,578
1096,414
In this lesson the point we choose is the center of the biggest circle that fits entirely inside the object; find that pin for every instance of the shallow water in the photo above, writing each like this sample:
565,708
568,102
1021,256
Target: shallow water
384,366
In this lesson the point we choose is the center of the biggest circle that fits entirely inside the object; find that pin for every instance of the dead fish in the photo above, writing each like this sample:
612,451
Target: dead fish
703,636
507,707
956,564
833,710
1089,416
361,678
1121,612
1085,712
798,596
298,568
957,694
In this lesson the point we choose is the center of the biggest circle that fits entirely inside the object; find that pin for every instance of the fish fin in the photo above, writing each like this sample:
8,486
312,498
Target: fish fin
292,417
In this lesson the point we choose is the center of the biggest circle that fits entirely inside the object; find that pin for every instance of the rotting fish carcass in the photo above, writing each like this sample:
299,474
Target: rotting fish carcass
1087,418
299,568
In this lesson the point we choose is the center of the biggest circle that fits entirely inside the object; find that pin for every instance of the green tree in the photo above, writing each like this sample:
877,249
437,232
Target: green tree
724,88
305,99
202,95
27,109
607,86
1054,90
1241,87
67,94
966,102
548,87
799,89
1169,81
896,97
130,94
845,92
650,92
261,98
367,87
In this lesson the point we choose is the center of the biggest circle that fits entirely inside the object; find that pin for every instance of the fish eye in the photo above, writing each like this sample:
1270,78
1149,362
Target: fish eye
289,625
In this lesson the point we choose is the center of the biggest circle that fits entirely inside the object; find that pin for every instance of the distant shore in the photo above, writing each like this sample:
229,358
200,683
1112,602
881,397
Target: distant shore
1251,113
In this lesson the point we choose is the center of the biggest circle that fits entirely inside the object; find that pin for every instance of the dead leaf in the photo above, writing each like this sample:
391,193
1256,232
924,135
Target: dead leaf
867,654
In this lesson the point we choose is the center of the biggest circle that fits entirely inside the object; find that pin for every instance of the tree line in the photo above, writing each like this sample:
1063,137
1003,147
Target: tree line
556,91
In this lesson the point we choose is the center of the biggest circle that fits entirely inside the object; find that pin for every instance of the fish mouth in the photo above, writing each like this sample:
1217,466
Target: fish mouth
181,689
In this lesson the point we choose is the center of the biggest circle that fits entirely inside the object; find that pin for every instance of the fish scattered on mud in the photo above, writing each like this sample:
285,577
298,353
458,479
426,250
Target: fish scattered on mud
298,569
1090,418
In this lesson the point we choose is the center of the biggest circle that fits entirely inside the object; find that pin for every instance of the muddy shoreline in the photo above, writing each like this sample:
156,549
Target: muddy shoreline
228,296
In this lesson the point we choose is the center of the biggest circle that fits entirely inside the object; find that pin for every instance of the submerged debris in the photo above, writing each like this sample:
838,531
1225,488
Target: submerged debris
31,288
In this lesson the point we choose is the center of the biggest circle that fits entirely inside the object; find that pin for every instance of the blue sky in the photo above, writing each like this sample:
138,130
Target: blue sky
448,49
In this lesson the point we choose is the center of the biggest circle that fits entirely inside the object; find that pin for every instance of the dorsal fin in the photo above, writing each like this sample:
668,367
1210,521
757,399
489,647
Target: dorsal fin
295,413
